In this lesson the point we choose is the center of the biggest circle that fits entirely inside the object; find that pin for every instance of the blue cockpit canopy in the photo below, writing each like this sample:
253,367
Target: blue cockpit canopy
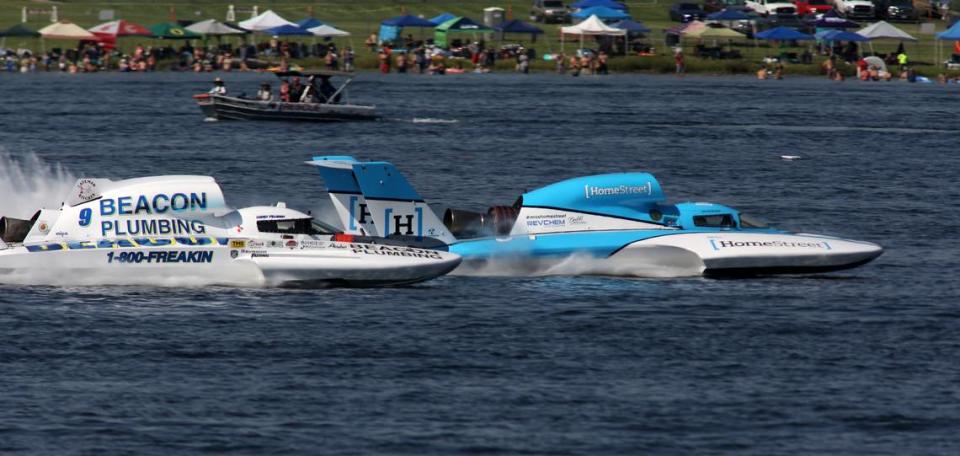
630,195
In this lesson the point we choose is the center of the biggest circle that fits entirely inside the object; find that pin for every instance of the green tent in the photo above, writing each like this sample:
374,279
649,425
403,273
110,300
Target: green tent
171,31
20,30
457,24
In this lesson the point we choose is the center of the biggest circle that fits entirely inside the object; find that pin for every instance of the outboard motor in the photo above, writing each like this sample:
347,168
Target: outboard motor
498,221
15,230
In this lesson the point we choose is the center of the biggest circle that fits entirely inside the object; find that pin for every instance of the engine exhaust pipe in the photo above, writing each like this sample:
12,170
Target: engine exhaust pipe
498,220
15,230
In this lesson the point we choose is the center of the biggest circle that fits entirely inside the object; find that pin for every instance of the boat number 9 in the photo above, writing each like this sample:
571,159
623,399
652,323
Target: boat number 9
85,216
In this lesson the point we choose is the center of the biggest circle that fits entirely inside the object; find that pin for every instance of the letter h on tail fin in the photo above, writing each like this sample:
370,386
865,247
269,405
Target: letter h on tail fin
375,199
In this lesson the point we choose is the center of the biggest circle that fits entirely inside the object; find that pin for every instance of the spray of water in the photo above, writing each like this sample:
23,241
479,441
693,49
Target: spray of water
28,184
647,262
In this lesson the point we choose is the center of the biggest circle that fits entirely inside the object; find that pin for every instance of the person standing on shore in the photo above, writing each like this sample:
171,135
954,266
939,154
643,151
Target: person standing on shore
678,60
561,63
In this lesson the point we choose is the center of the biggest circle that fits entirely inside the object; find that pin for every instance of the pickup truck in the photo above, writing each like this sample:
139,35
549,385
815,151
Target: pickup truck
805,7
772,7
855,9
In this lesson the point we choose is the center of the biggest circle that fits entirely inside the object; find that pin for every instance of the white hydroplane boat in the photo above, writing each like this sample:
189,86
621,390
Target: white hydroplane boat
179,229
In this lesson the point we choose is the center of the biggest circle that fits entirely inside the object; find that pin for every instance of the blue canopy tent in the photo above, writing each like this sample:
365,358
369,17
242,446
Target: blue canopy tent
583,4
391,28
729,15
518,27
309,23
602,12
950,34
437,20
840,35
632,27
288,30
783,34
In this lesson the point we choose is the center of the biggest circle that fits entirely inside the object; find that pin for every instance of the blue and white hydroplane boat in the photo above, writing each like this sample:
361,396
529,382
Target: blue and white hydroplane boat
610,224
179,230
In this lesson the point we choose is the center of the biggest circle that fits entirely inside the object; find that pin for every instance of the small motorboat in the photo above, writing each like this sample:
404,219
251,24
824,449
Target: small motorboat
178,229
610,224
332,104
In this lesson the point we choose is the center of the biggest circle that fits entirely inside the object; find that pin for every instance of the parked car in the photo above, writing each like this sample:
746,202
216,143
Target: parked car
686,12
805,7
712,6
772,7
855,9
896,10
548,11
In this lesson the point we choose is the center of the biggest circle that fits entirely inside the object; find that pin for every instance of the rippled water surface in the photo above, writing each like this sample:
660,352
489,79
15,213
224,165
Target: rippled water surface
859,362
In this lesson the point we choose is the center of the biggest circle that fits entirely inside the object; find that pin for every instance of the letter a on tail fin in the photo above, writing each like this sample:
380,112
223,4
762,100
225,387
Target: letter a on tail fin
345,194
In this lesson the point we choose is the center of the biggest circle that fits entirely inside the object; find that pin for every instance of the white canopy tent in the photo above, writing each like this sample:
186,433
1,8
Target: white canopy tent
591,26
326,31
212,27
267,20
883,30
65,30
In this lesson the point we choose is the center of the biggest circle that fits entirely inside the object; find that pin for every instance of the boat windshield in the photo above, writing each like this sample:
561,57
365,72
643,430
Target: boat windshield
714,221
295,226
747,221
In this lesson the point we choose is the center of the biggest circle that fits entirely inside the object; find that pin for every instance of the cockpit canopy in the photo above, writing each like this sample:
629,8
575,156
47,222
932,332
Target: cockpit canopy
715,216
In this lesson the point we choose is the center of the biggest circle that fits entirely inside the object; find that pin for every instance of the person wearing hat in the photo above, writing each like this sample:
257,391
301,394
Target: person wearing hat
218,87
265,94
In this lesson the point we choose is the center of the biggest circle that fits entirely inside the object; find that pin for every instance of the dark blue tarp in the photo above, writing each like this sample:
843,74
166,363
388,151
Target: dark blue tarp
783,34
442,18
583,4
601,12
632,26
728,15
515,26
408,21
952,33
288,30
842,35
833,20
309,23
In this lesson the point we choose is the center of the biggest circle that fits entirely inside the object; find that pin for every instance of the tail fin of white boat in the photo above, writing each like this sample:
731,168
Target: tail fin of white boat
377,198
344,191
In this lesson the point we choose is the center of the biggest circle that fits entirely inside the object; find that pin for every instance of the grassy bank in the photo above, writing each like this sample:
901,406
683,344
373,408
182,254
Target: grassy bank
362,17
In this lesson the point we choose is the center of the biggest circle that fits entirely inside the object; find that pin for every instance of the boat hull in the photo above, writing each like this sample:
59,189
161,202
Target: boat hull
231,108
233,262
662,253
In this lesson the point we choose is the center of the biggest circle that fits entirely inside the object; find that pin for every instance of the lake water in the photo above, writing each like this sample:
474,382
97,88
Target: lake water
865,361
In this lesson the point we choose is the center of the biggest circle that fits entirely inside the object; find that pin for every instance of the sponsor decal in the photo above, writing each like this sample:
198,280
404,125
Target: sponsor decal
393,250
546,220
292,244
125,243
163,256
234,254
576,220
255,244
720,244
593,191
153,205
44,226
87,190
238,244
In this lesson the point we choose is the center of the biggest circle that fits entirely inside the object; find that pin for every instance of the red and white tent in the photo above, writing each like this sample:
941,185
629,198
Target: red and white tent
120,28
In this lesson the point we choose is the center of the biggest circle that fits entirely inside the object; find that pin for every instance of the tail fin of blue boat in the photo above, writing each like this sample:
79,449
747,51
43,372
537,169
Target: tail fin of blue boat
374,198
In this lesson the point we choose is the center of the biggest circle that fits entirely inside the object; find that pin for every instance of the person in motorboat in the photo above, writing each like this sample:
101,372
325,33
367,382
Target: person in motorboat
296,89
265,94
219,88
